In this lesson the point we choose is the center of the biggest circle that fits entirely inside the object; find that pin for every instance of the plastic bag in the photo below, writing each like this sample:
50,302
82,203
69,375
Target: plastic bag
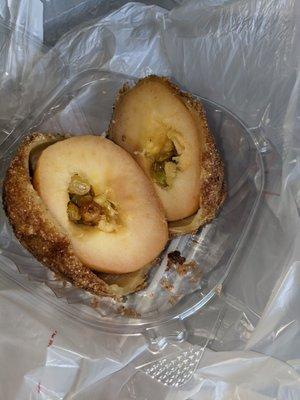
242,55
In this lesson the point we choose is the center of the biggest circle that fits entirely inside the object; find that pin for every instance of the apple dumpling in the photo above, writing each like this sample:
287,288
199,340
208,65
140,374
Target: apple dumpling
165,130
83,207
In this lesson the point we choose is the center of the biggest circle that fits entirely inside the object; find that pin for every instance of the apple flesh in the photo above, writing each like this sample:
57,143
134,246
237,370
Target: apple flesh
154,125
143,231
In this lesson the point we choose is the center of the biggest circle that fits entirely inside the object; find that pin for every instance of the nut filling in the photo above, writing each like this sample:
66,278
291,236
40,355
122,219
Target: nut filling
165,156
91,209
165,166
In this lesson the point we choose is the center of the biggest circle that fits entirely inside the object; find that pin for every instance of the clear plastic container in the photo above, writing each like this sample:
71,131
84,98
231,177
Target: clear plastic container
82,104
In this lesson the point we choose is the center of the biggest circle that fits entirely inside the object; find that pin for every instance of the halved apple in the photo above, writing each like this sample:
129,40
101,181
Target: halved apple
134,232
128,233
167,133
152,123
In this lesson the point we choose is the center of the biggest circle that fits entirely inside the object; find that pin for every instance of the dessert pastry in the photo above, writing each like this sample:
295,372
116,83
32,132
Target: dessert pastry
166,131
83,207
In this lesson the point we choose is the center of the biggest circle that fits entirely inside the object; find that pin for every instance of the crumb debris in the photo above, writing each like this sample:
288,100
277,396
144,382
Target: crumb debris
166,284
218,290
174,299
128,312
174,258
94,302
186,267
52,338
197,276
57,276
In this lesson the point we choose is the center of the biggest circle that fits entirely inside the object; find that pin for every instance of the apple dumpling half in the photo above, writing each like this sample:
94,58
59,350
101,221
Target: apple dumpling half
83,207
166,131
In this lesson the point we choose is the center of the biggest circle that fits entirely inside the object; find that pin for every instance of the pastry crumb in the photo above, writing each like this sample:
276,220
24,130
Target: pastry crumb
128,312
186,267
175,257
173,299
218,290
166,284
94,303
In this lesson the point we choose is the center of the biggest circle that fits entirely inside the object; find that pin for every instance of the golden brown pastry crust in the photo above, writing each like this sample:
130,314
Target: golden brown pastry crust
34,226
213,186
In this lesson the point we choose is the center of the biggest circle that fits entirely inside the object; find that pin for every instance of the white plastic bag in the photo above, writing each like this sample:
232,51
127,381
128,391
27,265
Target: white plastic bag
243,55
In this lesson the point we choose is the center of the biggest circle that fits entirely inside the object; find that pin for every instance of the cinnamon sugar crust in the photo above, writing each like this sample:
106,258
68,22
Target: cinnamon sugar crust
35,228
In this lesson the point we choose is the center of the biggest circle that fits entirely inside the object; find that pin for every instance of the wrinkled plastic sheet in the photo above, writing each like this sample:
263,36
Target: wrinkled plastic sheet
61,15
243,55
